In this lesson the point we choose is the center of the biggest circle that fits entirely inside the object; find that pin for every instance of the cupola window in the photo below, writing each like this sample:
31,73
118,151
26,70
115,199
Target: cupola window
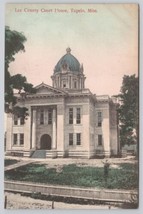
75,84
64,84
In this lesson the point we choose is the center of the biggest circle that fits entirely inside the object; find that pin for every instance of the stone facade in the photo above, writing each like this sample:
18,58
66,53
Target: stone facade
65,120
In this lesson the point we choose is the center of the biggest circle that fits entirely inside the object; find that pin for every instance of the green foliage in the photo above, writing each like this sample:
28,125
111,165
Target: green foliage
128,110
124,177
21,112
14,43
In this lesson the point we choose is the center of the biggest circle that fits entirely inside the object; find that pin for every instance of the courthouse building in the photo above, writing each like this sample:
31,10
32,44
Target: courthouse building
65,119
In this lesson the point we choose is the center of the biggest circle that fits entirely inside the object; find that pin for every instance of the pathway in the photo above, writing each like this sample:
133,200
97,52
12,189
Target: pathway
16,165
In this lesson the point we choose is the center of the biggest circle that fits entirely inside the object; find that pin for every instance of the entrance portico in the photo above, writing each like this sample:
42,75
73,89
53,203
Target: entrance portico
44,127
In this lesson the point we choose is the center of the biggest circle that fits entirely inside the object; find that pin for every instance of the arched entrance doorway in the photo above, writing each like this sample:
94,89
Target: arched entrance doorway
45,142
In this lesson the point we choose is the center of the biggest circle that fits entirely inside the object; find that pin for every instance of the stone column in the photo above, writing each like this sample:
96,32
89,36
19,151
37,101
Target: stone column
60,129
54,145
58,81
81,83
68,81
27,134
78,83
34,129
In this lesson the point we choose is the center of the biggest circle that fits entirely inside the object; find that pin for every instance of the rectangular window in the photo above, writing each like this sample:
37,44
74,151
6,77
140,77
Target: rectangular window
15,120
21,121
42,117
78,116
99,119
50,116
70,139
71,116
64,84
21,139
15,141
78,138
99,140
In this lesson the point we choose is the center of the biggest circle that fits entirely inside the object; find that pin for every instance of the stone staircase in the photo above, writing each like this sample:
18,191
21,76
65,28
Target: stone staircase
39,154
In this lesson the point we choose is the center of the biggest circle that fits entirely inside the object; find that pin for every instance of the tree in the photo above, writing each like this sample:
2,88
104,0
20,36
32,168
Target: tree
14,43
128,110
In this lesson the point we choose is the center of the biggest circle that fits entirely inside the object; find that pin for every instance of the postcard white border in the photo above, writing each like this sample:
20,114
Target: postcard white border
2,24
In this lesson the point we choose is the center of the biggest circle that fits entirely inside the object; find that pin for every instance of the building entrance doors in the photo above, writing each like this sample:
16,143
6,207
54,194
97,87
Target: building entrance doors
45,142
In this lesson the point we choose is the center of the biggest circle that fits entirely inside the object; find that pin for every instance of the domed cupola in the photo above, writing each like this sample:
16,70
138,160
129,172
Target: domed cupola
68,73
67,63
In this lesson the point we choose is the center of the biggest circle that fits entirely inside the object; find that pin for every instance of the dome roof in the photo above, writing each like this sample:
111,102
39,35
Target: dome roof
68,62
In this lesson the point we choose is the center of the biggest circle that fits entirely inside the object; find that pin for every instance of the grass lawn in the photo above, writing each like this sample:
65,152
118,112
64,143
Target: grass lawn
8,162
124,177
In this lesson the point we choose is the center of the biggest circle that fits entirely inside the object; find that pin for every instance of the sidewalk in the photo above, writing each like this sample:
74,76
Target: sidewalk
14,166
114,162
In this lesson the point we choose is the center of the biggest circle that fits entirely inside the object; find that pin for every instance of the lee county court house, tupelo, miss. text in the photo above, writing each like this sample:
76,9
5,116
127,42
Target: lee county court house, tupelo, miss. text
65,120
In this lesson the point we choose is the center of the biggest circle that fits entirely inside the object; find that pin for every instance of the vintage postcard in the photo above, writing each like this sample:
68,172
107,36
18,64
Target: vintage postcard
71,106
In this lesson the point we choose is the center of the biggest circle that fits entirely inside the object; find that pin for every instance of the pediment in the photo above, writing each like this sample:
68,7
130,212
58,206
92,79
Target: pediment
46,89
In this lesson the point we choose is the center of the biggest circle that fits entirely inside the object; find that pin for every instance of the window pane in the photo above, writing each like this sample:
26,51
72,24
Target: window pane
15,139
71,116
99,119
50,116
78,116
42,117
21,139
99,140
21,121
78,139
99,124
15,120
70,139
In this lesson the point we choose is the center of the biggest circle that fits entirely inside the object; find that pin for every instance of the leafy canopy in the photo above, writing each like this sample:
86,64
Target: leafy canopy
128,109
14,43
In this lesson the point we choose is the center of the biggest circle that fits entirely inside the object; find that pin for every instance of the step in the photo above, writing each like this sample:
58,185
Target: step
39,154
